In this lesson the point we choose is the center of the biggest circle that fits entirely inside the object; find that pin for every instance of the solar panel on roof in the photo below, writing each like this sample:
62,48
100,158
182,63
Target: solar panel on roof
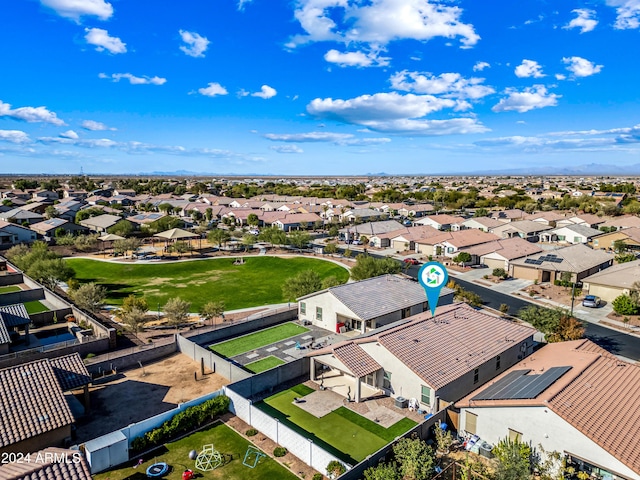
557,260
530,261
519,386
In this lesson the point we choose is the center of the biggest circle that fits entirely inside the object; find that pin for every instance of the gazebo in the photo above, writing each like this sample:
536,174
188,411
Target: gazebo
109,237
175,234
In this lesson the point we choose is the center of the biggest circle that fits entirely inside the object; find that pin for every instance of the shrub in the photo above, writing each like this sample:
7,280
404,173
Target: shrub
317,476
90,355
335,469
499,272
187,420
251,432
279,452
625,305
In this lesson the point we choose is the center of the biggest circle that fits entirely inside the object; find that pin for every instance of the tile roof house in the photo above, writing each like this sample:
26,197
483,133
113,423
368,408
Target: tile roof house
613,281
366,304
49,227
370,229
548,266
619,223
34,412
500,253
434,360
526,229
440,222
481,223
512,215
48,464
100,223
571,234
630,237
450,243
570,397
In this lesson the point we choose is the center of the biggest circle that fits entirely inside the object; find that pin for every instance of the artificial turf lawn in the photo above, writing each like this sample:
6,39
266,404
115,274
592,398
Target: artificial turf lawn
10,288
249,342
263,364
224,439
35,307
257,282
347,435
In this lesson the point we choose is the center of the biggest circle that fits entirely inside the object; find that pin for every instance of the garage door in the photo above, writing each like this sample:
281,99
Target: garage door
493,263
525,273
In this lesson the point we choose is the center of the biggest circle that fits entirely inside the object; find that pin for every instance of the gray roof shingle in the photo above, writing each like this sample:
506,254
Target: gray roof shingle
14,315
377,296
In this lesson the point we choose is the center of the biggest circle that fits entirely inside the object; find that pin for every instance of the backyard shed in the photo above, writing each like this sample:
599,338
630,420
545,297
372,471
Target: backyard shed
107,451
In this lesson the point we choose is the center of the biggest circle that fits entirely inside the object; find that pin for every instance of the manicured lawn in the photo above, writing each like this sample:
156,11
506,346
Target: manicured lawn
224,439
249,342
35,307
263,364
10,288
342,432
257,282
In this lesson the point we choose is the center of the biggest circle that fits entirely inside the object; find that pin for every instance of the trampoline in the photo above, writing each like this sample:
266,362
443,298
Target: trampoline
157,470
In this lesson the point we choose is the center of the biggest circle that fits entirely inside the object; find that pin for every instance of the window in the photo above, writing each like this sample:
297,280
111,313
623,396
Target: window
498,362
386,380
425,396
318,313
471,423
595,242
561,238
475,376
425,306
406,312
514,436
303,308
577,239
370,379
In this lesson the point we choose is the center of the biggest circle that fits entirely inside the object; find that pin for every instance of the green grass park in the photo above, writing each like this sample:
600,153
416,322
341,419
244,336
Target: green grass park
256,282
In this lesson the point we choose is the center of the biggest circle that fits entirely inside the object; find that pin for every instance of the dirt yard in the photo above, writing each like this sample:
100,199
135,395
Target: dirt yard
136,394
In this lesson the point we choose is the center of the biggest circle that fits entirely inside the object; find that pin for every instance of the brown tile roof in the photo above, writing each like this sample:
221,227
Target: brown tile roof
599,395
70,371
48,464
509,248
443,348
31,402
359,362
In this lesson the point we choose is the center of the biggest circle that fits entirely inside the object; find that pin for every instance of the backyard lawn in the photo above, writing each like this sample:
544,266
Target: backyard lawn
256,282
10,288
264,364
35,307
344,433
224,439
252,341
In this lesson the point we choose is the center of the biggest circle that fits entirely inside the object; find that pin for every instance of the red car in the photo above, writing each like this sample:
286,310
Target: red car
412,261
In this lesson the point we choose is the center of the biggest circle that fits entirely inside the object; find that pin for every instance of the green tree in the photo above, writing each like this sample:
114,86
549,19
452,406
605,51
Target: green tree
384,471
134,303
134,318
177,311
625,257
50,271
367,267
514,460
619,246
415,458
180,247
85,243
299,239
330,281
122,227
253,220
211,310
218,237
335,469
330,248
333,231
87,213
51,212
89,296
625,305
304,283
462,257
248,240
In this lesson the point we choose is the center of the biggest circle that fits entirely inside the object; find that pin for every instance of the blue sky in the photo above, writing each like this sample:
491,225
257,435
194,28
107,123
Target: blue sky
318,87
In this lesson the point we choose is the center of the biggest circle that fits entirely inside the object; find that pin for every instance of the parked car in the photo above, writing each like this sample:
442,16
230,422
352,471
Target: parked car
591,301
356,242
412,261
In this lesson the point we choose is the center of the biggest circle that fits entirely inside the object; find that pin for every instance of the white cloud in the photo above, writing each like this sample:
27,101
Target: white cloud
380,22
196,44
74,9
480,66
95,126
451,85
395,113
529,68
560,76
213,89
530,98
133,80
581,67
343,139
286,149
628,13
242,3
265,92
101,39
584,20
30,114
355,59
14,136
69,134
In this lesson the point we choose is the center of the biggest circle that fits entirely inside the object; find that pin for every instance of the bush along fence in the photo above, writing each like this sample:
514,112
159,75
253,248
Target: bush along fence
186,421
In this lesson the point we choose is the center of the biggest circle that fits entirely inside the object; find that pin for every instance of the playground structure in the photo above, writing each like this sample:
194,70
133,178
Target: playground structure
252,457
209,458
